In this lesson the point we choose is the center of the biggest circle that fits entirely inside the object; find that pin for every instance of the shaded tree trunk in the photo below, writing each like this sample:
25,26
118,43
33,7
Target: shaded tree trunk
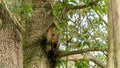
10,43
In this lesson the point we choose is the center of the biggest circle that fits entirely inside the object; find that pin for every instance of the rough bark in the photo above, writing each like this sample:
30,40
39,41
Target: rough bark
36,55
10,43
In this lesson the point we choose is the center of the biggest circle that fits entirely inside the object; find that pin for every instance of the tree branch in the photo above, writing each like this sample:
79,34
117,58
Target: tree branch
93,3
82,51
98,13
86,57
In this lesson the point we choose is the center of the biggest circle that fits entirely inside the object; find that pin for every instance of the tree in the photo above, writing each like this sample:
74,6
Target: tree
80,25
40,21
113,61
11,54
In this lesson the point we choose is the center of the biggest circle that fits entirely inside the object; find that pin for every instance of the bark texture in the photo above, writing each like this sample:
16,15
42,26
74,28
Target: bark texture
114,27
10,43
110,61
36,55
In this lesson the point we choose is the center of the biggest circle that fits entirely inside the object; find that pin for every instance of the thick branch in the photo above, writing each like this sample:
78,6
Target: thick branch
82,51
87,57
93,3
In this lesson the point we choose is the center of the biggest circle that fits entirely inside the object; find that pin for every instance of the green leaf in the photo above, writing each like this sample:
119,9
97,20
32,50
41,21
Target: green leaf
86,43
79,44
82,63
70,5
73,1
88,2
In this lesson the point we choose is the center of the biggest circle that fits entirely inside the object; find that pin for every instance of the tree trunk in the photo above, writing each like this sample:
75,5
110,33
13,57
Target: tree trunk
116,31
10,43
35,54
110,61
114,28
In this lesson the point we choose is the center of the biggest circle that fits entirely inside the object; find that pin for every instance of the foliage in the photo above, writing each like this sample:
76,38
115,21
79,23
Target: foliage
82,64
83,28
